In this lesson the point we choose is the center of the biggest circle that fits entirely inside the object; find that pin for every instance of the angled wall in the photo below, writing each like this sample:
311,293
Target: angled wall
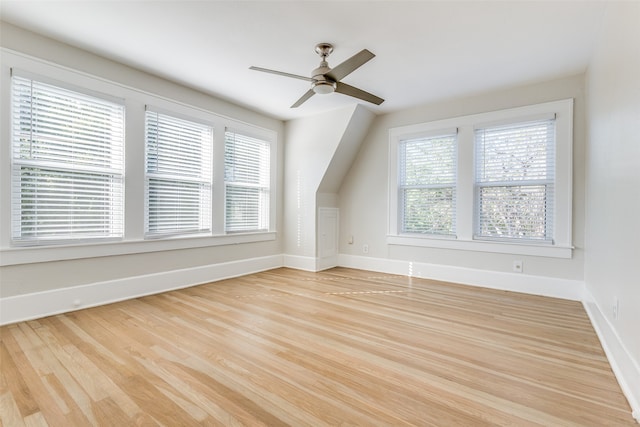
318,153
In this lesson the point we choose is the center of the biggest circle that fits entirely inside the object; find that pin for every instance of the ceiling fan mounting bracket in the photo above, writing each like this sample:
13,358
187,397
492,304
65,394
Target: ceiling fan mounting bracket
324,50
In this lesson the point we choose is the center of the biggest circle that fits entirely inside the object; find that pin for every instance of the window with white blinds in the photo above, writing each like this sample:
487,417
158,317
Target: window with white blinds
427,185
67,164
515,181
247,176
178,175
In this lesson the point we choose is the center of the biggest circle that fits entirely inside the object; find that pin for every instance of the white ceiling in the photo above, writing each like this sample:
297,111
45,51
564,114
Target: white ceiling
425,50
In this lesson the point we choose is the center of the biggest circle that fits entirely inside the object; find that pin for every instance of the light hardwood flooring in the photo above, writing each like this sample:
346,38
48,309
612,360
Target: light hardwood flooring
285,347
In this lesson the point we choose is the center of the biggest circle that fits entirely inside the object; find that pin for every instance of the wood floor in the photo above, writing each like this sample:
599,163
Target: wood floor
285,347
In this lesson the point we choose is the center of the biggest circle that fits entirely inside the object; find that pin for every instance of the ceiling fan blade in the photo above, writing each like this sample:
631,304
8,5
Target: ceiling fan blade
304,97
347,67
345,89
281,73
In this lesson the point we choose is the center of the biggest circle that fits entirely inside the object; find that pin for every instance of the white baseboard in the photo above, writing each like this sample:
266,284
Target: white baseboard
305,263
40,304
624,367
517,282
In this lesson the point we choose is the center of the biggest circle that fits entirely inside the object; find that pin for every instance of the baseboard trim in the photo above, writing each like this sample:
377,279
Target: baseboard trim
40,304
298,262
516,282
622,363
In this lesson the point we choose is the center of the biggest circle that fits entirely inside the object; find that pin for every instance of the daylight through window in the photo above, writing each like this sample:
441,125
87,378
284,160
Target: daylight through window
428,184
246,178
67,164
178,175
515,181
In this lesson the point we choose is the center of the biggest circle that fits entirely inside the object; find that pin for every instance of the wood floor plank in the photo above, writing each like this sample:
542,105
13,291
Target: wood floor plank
14,384
48,400
339,347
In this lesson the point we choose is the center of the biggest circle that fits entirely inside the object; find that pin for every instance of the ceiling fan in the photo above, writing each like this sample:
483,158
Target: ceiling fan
326,80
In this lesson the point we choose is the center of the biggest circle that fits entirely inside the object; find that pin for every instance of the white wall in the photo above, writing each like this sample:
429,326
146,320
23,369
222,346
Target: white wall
612,255
26,278
363,195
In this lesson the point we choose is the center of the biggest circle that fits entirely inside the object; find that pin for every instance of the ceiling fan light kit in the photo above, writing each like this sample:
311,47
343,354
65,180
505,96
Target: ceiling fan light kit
324,88
325,80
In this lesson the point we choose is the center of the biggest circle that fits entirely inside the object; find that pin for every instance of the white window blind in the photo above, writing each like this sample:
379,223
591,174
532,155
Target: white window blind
515,181
427,185
247,178
67,164
178,178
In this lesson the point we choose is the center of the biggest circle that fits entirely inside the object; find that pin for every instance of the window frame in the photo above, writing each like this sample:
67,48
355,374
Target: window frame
264,188
135,101
549,181
206,182
116,173
402,142
561,247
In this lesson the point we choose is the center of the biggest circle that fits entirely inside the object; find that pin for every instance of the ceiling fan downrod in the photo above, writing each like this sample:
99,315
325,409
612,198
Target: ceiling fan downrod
322,85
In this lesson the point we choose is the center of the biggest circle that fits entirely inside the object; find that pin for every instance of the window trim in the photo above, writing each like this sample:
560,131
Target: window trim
16,163
268,189
402,142
148,176
465,215
479,184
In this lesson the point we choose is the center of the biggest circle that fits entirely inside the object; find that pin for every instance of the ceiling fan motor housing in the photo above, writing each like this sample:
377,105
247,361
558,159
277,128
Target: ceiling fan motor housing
322,85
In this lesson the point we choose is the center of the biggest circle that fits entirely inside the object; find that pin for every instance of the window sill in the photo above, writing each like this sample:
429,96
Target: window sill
29,255
541,250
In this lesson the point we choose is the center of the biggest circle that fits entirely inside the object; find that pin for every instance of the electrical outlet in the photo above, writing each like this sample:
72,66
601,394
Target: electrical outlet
517,266
365,249
616,308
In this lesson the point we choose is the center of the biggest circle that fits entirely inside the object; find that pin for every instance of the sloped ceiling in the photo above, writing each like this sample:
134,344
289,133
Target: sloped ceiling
426,50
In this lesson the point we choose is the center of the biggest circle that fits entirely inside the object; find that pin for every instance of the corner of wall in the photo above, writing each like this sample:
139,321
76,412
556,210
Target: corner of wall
624,367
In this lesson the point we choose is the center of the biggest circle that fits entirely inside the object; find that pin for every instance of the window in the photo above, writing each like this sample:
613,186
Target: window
498,182
67,164
178,157
515,181
246,177
73,188
427,188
